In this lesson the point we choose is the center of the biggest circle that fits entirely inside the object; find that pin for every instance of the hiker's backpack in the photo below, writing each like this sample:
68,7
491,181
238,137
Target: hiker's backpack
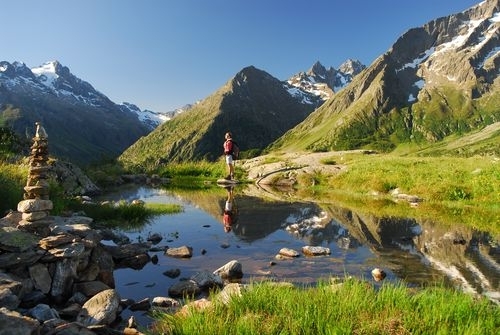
231,148
236,151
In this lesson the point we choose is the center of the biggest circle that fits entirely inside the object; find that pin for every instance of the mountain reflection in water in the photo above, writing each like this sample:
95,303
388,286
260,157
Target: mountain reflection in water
417,253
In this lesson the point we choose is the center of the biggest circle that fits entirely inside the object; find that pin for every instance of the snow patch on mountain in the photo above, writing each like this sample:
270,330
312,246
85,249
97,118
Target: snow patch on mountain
299,94
46,73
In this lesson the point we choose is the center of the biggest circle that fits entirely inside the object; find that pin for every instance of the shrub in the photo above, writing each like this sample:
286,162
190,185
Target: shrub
12,181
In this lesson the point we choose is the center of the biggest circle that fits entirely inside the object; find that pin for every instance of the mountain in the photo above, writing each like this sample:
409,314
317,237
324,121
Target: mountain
84,126
435,80
154,119
149,118
254,105
324,82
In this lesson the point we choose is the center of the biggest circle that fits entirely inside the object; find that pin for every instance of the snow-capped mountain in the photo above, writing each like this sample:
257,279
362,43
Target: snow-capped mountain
59,80
148,117
54,78
436,80
322,82
86,123
154,119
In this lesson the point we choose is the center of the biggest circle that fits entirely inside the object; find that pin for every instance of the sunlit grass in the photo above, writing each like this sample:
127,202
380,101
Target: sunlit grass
156,209
453,190
193,169
354,307
194,175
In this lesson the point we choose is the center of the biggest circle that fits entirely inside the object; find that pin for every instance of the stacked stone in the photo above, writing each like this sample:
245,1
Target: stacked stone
36,206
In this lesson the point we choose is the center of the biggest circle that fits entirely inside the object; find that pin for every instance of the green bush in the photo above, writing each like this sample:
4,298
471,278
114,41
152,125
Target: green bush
458,193
12,181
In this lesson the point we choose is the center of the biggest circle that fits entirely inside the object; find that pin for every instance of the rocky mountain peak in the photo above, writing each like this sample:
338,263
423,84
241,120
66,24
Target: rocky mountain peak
323,82
457,50
249,74
67,105
318,70
351,67
15,69
61,81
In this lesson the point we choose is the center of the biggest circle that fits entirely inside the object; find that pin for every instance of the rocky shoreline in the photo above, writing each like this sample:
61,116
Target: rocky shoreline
56,275
63,282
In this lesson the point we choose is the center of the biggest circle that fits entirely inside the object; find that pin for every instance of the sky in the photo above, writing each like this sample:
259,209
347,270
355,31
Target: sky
164,54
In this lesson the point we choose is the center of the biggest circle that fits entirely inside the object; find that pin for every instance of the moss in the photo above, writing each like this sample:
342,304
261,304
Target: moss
16,240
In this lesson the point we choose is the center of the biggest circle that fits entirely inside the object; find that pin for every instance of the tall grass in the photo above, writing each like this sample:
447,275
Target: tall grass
457,190
192,175
12,180
123,214
355,307
193,169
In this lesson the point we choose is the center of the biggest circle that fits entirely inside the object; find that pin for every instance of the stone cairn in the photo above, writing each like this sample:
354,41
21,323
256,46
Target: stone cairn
36,206
56,277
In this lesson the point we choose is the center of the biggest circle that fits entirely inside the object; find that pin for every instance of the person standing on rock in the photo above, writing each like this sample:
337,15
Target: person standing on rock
231,152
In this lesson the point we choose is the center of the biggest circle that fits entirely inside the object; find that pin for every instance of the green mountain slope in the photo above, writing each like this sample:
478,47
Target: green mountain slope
435,81
253,105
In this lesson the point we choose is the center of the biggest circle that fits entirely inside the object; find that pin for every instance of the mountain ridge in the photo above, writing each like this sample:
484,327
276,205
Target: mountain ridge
53,86
254,105
324,82
436,80
422,89
84,125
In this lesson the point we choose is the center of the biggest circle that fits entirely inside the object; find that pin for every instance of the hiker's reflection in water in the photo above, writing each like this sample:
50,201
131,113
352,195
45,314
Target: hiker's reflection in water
230,211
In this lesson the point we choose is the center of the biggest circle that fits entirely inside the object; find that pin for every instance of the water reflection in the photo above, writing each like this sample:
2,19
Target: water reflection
417,252
230,212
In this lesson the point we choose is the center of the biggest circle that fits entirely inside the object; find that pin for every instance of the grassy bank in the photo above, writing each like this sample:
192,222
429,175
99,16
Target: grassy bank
354,307
456,190
453,190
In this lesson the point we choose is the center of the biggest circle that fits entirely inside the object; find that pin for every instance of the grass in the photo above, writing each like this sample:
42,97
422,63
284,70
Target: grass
354,307
123,214
203,169
455,190
12,180
193,175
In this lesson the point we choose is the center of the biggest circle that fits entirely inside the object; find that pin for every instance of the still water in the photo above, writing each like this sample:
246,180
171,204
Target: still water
416,253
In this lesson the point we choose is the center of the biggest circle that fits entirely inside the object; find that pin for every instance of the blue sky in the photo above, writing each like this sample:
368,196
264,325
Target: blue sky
163,54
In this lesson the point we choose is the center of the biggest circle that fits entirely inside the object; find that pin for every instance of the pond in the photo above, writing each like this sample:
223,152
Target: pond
416,253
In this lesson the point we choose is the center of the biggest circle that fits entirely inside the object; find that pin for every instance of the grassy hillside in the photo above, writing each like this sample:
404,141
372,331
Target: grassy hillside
173,140
253,105
438,114
485,141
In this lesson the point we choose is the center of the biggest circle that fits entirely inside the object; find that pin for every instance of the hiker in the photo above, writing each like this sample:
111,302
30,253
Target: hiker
231,152
229,214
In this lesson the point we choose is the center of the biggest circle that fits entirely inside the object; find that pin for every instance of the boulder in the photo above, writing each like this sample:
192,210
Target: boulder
101,309
315,251
230,271
14,323
34,205
180,252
